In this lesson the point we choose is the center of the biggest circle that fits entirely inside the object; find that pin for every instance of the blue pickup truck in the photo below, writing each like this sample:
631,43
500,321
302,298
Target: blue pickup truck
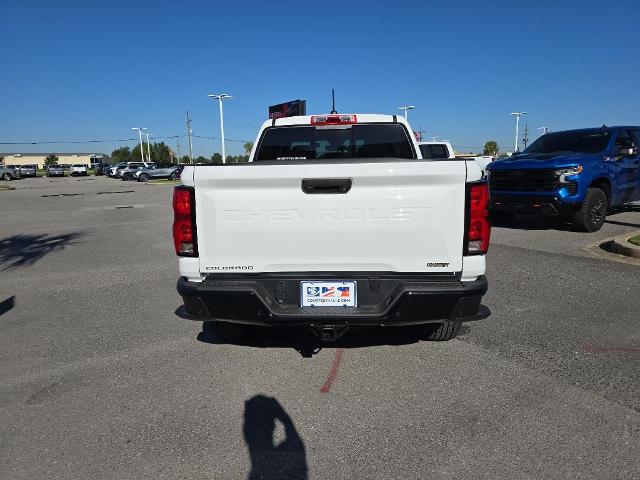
577,174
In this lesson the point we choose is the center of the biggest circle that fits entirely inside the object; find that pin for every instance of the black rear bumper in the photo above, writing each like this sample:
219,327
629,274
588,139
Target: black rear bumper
392,299
535,204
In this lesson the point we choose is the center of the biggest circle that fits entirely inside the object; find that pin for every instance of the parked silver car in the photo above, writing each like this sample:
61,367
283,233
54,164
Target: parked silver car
127,172
9,172
130,167
55,171
111,171
169,171
28,170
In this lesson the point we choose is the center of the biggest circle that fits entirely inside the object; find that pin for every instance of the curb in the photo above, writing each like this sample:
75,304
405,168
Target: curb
602,250
621,245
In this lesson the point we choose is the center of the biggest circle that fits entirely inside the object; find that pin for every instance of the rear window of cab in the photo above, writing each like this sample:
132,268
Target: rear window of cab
302,142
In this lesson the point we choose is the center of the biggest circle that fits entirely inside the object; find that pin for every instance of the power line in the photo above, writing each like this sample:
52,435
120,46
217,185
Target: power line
84,141
217,138
114,140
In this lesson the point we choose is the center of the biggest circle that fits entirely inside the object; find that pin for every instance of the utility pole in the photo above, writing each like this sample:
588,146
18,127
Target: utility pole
178,149
189,132
517,115
525,137
421,132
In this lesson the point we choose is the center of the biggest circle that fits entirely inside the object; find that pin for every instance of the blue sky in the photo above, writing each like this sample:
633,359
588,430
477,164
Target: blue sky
79,70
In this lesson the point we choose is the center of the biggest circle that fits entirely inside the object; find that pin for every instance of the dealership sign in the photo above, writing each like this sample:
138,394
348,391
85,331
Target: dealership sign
288,109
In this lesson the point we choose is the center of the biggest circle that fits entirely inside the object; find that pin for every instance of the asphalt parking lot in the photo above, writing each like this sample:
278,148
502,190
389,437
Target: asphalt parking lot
101,379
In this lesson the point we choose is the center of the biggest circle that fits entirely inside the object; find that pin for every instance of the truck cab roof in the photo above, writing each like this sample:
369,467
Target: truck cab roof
360,118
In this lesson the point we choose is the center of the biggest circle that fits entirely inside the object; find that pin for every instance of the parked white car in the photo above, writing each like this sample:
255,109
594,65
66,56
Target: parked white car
77,170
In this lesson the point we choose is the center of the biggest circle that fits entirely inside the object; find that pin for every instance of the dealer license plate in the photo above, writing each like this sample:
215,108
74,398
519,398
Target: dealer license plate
328,294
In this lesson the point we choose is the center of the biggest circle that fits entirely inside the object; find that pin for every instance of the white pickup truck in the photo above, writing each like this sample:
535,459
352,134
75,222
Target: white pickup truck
436,150
442,150
335,221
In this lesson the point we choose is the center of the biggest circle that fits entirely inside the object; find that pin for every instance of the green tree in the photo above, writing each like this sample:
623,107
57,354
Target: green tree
216,158
201,159
490,148
51,159
122,154
161,153
247,147
135,154
185,159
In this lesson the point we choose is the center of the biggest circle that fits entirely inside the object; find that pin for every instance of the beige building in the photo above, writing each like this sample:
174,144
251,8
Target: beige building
63,158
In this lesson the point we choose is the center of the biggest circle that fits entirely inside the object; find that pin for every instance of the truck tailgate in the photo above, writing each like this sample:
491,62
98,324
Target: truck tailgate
397,216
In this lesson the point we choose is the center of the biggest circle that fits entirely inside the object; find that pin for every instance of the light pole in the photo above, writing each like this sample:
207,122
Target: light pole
517,115
406,109
544,130
220,98
148,147
139,129
4,172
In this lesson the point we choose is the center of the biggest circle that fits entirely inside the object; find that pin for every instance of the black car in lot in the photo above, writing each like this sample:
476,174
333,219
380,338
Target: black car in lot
101,168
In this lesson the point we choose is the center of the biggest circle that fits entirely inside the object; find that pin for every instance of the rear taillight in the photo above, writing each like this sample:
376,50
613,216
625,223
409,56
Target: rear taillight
336,119
479,229
185,238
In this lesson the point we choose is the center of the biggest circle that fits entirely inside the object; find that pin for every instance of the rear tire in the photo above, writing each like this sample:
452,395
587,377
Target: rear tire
593,213
7,177
224,330
441,332
143,177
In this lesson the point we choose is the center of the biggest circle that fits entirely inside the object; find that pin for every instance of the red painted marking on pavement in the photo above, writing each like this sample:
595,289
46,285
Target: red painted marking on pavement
593,349
333,373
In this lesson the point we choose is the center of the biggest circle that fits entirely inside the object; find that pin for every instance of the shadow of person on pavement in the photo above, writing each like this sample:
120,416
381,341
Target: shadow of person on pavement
269,459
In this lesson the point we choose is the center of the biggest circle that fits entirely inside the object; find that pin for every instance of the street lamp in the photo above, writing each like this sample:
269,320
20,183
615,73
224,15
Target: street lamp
139,129
517,115
148,147
220,98
406,109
